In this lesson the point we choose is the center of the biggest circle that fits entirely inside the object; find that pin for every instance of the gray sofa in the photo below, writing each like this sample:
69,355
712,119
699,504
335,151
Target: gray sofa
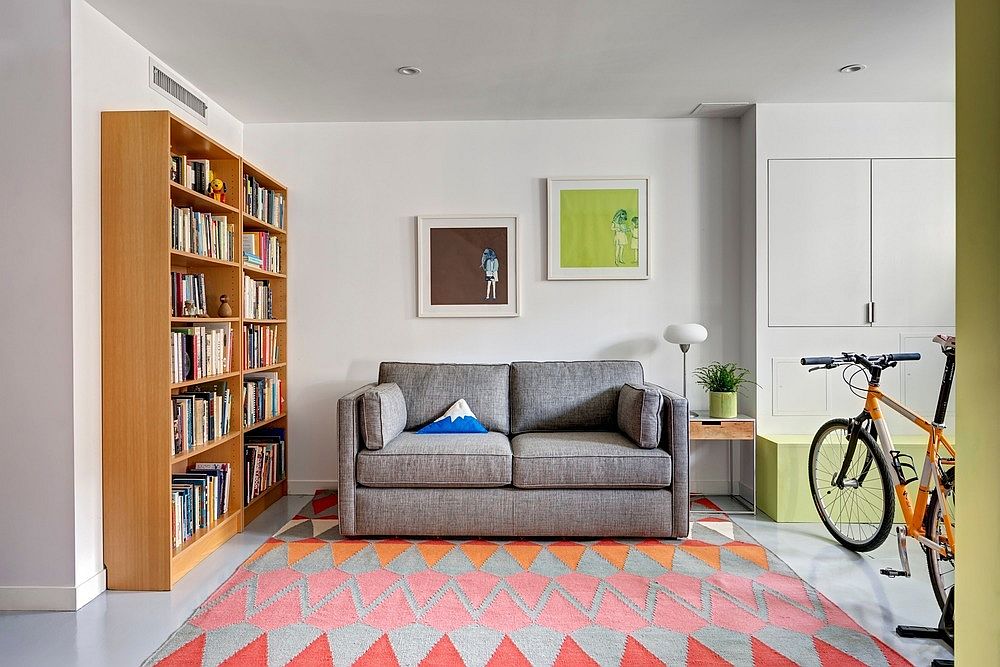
554,462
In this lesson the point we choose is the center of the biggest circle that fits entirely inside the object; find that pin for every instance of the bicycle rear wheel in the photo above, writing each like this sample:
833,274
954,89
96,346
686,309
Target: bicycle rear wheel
858,512
941,567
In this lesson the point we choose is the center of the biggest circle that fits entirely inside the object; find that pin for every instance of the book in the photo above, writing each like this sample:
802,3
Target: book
264,461
257,297
263,397
260,345
262,250
202,233
263,203
199,498
201,416
200,351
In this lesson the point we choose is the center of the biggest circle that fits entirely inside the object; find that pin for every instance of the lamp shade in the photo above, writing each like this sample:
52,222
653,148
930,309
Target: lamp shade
685,334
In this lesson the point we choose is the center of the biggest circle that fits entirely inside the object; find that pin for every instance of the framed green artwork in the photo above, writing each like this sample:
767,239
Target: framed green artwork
598,228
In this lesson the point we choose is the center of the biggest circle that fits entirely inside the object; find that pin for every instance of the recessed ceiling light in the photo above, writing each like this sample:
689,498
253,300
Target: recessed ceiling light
851,69
409,70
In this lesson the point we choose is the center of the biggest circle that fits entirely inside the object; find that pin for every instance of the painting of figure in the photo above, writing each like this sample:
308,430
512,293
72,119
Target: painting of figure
467,266
598,229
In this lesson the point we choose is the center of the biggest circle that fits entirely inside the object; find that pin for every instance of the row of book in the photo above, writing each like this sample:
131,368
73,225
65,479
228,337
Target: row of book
190,173
200,416
200,352
262,251
264,461
260,345
202,233
257,299
200,497
262,397
187,294
263,203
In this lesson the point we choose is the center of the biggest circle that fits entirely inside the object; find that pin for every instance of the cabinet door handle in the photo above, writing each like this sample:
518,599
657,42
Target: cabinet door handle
871,312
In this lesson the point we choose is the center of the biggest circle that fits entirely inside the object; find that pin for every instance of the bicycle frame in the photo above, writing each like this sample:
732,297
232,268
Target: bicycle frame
930,477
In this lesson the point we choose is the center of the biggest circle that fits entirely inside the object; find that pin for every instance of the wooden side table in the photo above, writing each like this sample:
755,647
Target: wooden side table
740,428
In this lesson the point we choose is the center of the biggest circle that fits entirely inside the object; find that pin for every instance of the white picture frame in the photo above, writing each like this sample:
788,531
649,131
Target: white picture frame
622,243
429,303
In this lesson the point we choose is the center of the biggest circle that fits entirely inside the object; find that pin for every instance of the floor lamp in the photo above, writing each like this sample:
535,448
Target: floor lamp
685,335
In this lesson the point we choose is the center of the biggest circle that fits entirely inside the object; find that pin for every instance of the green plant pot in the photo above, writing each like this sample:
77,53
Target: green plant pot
722,404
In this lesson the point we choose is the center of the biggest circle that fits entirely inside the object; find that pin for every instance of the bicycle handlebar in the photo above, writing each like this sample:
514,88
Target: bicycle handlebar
879,360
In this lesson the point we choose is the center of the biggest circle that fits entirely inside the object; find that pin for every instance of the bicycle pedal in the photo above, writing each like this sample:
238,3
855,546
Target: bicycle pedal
892,574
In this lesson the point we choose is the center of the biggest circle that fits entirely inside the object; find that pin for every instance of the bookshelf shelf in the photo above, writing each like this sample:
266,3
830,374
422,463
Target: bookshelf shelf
250,222
205,320
205,380
202,543
263,422
261,273
189,260
201,449
184,197
265,500
261,369
140,403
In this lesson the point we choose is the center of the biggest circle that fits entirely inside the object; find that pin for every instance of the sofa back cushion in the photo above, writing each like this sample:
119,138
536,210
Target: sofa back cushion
430,389
568,395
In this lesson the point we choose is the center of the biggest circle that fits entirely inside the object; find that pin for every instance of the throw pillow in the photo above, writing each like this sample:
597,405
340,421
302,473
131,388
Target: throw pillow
639,415
458,419
383,413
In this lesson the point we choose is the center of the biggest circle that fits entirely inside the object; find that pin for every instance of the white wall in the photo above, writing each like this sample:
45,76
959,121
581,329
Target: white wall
110,72
62,63
356,187
36,394
838,131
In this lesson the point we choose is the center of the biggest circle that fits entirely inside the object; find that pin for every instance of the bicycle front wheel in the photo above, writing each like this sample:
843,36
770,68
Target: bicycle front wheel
941,566
858,509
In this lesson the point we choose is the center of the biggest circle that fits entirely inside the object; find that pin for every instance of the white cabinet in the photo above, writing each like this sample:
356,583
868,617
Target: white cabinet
819,241
843,234
913,242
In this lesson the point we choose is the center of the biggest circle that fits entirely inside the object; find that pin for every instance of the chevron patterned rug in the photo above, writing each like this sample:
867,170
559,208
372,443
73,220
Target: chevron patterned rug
309,596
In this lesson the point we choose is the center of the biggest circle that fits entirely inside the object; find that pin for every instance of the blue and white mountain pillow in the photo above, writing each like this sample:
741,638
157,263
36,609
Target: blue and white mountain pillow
458,419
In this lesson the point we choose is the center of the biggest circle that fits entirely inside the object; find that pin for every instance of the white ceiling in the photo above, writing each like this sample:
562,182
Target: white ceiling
321,60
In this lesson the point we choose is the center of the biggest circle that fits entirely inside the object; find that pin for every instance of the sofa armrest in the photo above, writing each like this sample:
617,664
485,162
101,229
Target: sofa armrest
349,436
675,441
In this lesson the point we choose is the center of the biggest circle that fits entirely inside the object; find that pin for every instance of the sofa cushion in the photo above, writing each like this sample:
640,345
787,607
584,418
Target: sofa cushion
438,460
596,459
640,414
383,414
430,389
568,395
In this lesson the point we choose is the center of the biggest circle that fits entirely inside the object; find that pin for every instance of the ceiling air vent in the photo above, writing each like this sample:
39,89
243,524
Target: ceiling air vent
168,86
721,109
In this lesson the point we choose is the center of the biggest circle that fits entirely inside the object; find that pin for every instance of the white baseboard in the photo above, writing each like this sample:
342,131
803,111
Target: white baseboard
708,487
52,598
308,487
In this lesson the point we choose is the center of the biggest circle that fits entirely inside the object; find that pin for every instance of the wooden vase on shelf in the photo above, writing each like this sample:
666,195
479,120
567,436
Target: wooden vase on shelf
225,310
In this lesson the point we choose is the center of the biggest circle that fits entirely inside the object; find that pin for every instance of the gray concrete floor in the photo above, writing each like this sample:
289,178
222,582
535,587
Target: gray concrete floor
124,628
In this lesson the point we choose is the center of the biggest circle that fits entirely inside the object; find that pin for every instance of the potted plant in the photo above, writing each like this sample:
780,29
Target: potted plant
722,382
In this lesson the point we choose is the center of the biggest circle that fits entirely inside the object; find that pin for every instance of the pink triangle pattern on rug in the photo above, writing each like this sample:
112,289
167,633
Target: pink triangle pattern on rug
308,596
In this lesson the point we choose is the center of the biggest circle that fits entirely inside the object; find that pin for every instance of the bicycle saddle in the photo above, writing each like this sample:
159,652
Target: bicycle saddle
945,341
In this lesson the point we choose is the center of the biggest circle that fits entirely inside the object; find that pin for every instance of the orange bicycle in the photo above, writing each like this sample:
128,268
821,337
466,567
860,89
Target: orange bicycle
853,468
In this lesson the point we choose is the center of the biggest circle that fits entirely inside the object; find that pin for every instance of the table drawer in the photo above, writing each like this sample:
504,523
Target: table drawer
709,429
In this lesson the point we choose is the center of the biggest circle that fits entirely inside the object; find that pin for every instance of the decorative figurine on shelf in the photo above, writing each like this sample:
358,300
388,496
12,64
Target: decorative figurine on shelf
189,309
216,188
225,310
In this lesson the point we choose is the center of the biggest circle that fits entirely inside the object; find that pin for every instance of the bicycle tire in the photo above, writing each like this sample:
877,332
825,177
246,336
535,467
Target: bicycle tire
935,564
869,456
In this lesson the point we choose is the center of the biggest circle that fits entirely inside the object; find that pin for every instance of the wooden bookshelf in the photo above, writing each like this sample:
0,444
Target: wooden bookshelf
137,258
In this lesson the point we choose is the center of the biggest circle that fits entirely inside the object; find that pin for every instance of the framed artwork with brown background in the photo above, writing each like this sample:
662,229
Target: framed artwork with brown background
467,266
